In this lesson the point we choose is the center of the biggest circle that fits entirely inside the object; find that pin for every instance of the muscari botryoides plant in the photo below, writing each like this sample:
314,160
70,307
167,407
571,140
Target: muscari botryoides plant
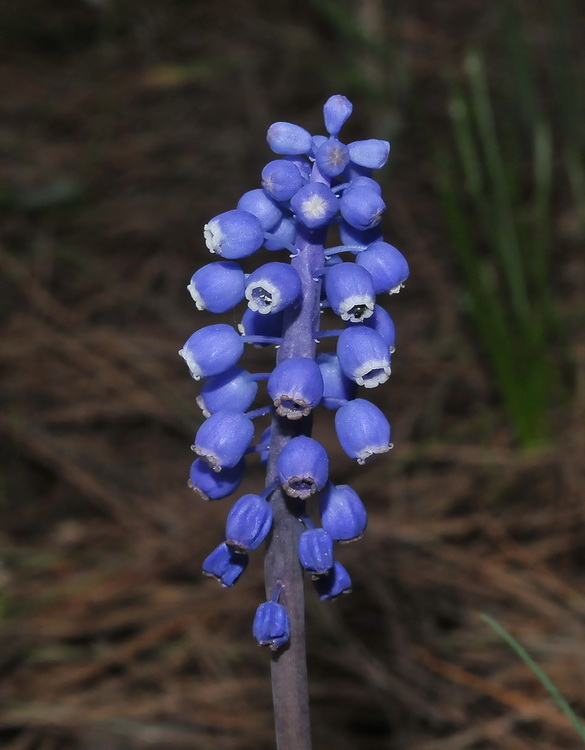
316,183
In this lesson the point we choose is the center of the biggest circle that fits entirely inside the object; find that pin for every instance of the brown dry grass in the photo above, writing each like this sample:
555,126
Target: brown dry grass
109,637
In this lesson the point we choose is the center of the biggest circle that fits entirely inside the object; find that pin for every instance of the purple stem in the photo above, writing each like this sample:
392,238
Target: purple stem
289,664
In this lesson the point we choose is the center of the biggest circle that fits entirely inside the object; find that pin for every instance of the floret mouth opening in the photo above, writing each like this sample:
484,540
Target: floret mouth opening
213,235
301,487
263,298
372,374
372,450
208,456
317,574
213,575
359,312
236,546
191,362
197,298
349,541
198,491
396,289
291,408
200,401
356,308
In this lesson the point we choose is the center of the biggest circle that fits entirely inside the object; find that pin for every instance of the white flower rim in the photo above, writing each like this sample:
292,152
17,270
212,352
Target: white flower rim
346,306
256,304
194,368
197,298
369,366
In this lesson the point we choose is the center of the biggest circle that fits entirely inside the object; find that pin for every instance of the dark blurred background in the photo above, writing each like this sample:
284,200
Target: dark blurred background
124,127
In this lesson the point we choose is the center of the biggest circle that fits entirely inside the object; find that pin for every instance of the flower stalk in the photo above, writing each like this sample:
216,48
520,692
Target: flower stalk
289,666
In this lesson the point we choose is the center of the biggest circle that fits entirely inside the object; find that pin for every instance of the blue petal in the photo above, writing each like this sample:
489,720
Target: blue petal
336,385
272,288
383,324
248,522
271,625
262,206
257,324
343,514
364,356
287,138
232,390
362,207
218,287
336,111
281,179
387,266
332,157
372,153
314,205
335,583
303,467
225,564
295,387
214,485
223,438
350,292
212,350
362,430
234,234
316,551
282,236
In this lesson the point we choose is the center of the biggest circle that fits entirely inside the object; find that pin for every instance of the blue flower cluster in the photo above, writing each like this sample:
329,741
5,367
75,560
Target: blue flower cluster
317,183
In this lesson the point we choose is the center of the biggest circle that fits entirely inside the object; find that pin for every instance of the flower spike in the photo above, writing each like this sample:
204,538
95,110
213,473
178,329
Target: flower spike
310,185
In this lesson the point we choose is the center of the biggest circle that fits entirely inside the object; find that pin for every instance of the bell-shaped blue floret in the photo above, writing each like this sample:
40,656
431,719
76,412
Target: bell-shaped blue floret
295,387
316,551
223,438
336,110
282,236
383,324
215,485
218,287
361,207
272,288
351,236
303,165
350,292
234,234
364,356
332,157
387,266
233,390
314,205
372,153
337,387
212,350
363,181
258,324
343,515
281,179
248,522
225,564
318,141
362,429
303,467
271,625
334,583
262,206
288,139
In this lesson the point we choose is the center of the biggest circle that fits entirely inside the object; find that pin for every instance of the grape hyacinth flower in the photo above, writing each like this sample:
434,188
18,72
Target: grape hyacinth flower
315,183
